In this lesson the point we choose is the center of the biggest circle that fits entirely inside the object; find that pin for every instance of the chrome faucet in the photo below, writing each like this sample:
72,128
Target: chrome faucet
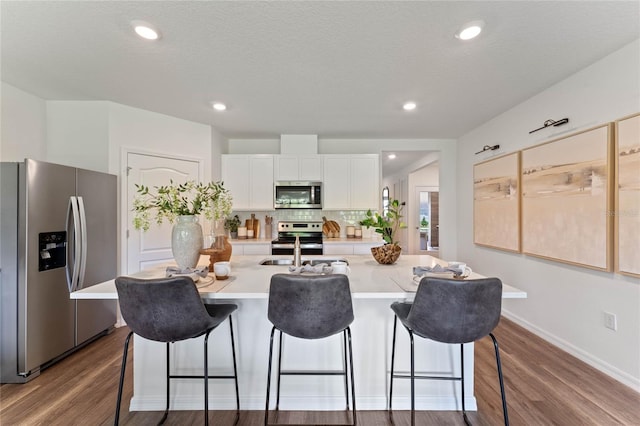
297,253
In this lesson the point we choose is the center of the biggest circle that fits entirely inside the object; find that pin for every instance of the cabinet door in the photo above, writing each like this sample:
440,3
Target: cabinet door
364,182
337,249
236,178
261,184
335,190
286,167
365,248
310,168
254,249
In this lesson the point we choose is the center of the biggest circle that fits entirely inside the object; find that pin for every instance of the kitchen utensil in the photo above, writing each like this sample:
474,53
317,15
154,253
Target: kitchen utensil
330,228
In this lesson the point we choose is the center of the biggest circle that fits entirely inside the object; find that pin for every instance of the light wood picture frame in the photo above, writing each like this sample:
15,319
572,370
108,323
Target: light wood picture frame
627,196
567,198
496,203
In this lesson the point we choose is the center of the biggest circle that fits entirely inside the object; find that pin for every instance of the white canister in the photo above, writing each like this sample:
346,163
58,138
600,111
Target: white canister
242,232
351,231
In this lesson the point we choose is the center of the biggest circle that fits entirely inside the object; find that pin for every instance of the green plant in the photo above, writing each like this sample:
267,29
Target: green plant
386,225
189,198
424,222
232,223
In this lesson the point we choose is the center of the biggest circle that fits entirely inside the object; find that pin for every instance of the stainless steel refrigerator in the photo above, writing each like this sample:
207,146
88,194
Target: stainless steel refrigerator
58,229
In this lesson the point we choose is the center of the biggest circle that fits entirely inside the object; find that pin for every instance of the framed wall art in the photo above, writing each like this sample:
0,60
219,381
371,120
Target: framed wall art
496,203
627,196
567,198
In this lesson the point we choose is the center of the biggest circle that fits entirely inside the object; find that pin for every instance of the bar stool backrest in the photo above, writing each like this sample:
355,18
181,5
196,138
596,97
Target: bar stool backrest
456,311
310,307
163,309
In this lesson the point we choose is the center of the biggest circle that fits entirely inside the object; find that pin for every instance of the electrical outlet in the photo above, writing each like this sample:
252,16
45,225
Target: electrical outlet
610,321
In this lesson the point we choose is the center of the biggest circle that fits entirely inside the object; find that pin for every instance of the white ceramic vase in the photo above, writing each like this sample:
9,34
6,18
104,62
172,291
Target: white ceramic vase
186,241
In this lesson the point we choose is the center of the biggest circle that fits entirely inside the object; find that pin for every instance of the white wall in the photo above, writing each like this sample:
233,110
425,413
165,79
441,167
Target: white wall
78,134
565,303
22,125
146,131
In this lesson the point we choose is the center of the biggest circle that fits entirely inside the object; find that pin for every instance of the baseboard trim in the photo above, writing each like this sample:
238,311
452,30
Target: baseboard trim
611,371
306,403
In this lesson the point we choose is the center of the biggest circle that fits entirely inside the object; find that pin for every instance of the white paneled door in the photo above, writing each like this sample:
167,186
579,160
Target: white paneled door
146,249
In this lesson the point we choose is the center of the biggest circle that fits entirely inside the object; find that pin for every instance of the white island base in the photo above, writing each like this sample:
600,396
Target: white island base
374,288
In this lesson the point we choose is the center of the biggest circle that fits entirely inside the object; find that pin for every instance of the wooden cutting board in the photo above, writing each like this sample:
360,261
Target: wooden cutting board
330,228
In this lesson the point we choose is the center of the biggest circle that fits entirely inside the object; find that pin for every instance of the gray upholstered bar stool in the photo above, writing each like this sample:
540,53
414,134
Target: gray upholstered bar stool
311,307
169,310
450,311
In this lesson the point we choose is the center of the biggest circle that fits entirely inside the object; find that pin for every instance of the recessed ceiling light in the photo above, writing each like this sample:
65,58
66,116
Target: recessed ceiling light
145,30
391,156
219,106
470,30
409,106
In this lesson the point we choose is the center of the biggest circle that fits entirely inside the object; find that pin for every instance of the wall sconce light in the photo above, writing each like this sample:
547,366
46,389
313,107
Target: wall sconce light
488,148
551,123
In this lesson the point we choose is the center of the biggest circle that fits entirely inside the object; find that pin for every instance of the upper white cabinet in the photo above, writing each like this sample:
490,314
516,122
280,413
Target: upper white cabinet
250,180
298,167
351,182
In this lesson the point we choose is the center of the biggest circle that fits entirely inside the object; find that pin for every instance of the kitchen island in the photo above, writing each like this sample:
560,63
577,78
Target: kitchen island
374,287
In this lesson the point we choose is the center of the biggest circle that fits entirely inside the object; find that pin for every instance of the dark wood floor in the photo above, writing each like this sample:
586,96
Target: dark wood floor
545,386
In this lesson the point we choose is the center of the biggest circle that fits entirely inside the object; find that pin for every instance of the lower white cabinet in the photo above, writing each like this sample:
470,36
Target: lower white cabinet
349,248
240,249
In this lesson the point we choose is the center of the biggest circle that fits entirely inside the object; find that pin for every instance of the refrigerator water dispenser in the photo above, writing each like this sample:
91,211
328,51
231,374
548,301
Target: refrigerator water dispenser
52,248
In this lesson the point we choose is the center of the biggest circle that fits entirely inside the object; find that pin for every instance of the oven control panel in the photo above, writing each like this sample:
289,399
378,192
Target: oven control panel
292,226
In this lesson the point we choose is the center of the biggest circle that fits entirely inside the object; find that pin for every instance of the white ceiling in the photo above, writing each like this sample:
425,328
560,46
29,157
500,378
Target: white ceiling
335,69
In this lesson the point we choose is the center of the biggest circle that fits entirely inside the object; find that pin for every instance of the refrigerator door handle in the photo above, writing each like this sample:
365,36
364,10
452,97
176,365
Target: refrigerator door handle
73,210
83,244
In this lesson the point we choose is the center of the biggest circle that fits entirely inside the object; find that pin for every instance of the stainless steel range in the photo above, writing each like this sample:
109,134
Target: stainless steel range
310,234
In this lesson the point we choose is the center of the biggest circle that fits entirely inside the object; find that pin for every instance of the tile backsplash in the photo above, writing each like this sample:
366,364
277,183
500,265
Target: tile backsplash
343,217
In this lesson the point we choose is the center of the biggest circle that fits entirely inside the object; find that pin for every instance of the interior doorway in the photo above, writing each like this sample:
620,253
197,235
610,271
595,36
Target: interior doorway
427,220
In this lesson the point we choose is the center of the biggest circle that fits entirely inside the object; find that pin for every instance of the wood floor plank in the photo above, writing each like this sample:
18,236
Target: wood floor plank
544,385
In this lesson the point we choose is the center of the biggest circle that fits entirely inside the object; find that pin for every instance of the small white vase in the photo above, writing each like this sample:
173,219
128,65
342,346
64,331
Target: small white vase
186,241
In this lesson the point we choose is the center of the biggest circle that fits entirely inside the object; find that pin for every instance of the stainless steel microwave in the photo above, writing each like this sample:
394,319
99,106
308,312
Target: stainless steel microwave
298,195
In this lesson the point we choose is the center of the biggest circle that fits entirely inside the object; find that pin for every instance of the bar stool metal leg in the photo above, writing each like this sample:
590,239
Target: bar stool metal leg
206,378
464,411
279,370
266,409
168,374
344,366
413,381
235,367
502,393
123,367
353,385
393,356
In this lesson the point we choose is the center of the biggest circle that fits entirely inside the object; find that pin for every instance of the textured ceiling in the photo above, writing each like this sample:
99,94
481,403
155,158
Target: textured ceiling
336,69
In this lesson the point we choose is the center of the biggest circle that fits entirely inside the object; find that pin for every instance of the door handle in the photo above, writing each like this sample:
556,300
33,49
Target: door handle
72,212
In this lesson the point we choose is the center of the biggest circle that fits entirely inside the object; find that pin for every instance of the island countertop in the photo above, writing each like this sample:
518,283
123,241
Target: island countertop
250,280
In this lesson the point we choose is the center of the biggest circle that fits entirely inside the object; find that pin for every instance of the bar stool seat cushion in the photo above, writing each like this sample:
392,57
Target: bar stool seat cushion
298,309
452,311
144,307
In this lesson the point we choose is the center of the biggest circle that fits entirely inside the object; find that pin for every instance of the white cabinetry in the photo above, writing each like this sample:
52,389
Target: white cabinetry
240,249
345,248
298,167
250,180
351,182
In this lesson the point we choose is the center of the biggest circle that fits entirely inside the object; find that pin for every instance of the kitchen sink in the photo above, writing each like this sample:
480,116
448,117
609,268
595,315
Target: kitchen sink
311,262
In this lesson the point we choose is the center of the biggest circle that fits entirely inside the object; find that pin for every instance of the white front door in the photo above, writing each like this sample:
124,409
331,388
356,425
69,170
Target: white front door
146,249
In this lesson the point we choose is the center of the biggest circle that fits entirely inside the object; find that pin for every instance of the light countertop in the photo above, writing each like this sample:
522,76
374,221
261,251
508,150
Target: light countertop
249,280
